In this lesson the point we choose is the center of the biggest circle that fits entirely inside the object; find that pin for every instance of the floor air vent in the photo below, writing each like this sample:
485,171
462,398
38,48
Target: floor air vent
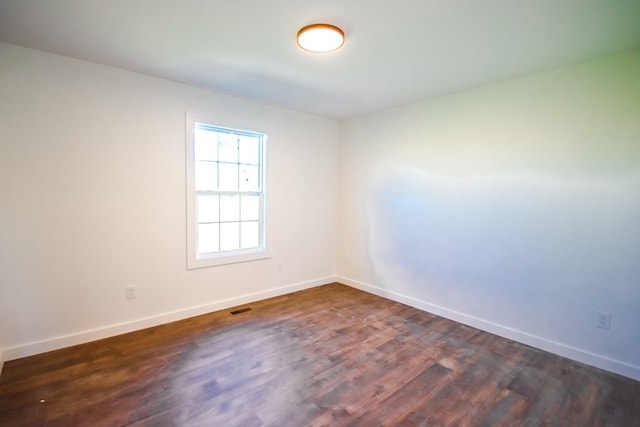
241,310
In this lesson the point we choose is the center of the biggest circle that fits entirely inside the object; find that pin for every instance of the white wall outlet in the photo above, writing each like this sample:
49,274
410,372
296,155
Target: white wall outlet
279,267
603,319
131,291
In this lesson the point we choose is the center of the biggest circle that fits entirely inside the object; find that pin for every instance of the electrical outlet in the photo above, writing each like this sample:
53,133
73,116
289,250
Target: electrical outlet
603,319
131,291
279,267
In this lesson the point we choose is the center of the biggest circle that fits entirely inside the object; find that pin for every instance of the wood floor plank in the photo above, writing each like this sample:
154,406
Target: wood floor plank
327,356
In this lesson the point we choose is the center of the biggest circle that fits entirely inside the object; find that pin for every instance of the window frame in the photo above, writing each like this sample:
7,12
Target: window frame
194,258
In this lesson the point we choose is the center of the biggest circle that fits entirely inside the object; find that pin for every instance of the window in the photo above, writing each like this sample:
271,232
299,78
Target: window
226,203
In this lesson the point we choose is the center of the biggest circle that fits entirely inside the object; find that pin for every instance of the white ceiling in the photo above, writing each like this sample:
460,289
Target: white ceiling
396,52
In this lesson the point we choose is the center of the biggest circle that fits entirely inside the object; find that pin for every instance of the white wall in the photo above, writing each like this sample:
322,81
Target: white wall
513,207
92,183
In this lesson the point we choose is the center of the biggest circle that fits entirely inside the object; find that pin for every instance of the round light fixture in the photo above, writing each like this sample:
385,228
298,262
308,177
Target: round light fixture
320,38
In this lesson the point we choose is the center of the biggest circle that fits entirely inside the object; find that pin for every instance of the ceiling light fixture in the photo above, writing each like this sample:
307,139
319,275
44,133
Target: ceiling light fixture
320,38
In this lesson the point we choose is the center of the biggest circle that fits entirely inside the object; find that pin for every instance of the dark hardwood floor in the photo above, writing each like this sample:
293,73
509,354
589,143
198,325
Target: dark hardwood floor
328,356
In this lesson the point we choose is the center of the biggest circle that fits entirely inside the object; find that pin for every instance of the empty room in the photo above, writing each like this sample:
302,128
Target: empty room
336,213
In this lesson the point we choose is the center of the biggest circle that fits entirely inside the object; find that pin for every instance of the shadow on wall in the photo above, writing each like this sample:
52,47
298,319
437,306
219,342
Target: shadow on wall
507,243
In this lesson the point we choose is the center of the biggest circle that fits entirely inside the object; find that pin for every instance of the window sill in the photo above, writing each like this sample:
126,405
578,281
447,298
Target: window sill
226,259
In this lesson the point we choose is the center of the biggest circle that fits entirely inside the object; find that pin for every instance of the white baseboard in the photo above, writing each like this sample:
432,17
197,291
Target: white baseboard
596,360
69,340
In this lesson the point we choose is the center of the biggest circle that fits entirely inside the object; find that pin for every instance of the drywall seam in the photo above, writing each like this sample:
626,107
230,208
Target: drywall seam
596,360
59,342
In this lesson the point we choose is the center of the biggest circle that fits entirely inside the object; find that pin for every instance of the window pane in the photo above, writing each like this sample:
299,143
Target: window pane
229,207
250,234
249,178
226,214
208,208
229,236
249,150
228,146
228,177
206,145
249,207
206,176
208,238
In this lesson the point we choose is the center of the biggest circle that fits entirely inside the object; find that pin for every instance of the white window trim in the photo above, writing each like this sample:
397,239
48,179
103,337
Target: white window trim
222,258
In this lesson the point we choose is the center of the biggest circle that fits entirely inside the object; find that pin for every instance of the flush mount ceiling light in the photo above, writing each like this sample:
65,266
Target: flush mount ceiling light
320,38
